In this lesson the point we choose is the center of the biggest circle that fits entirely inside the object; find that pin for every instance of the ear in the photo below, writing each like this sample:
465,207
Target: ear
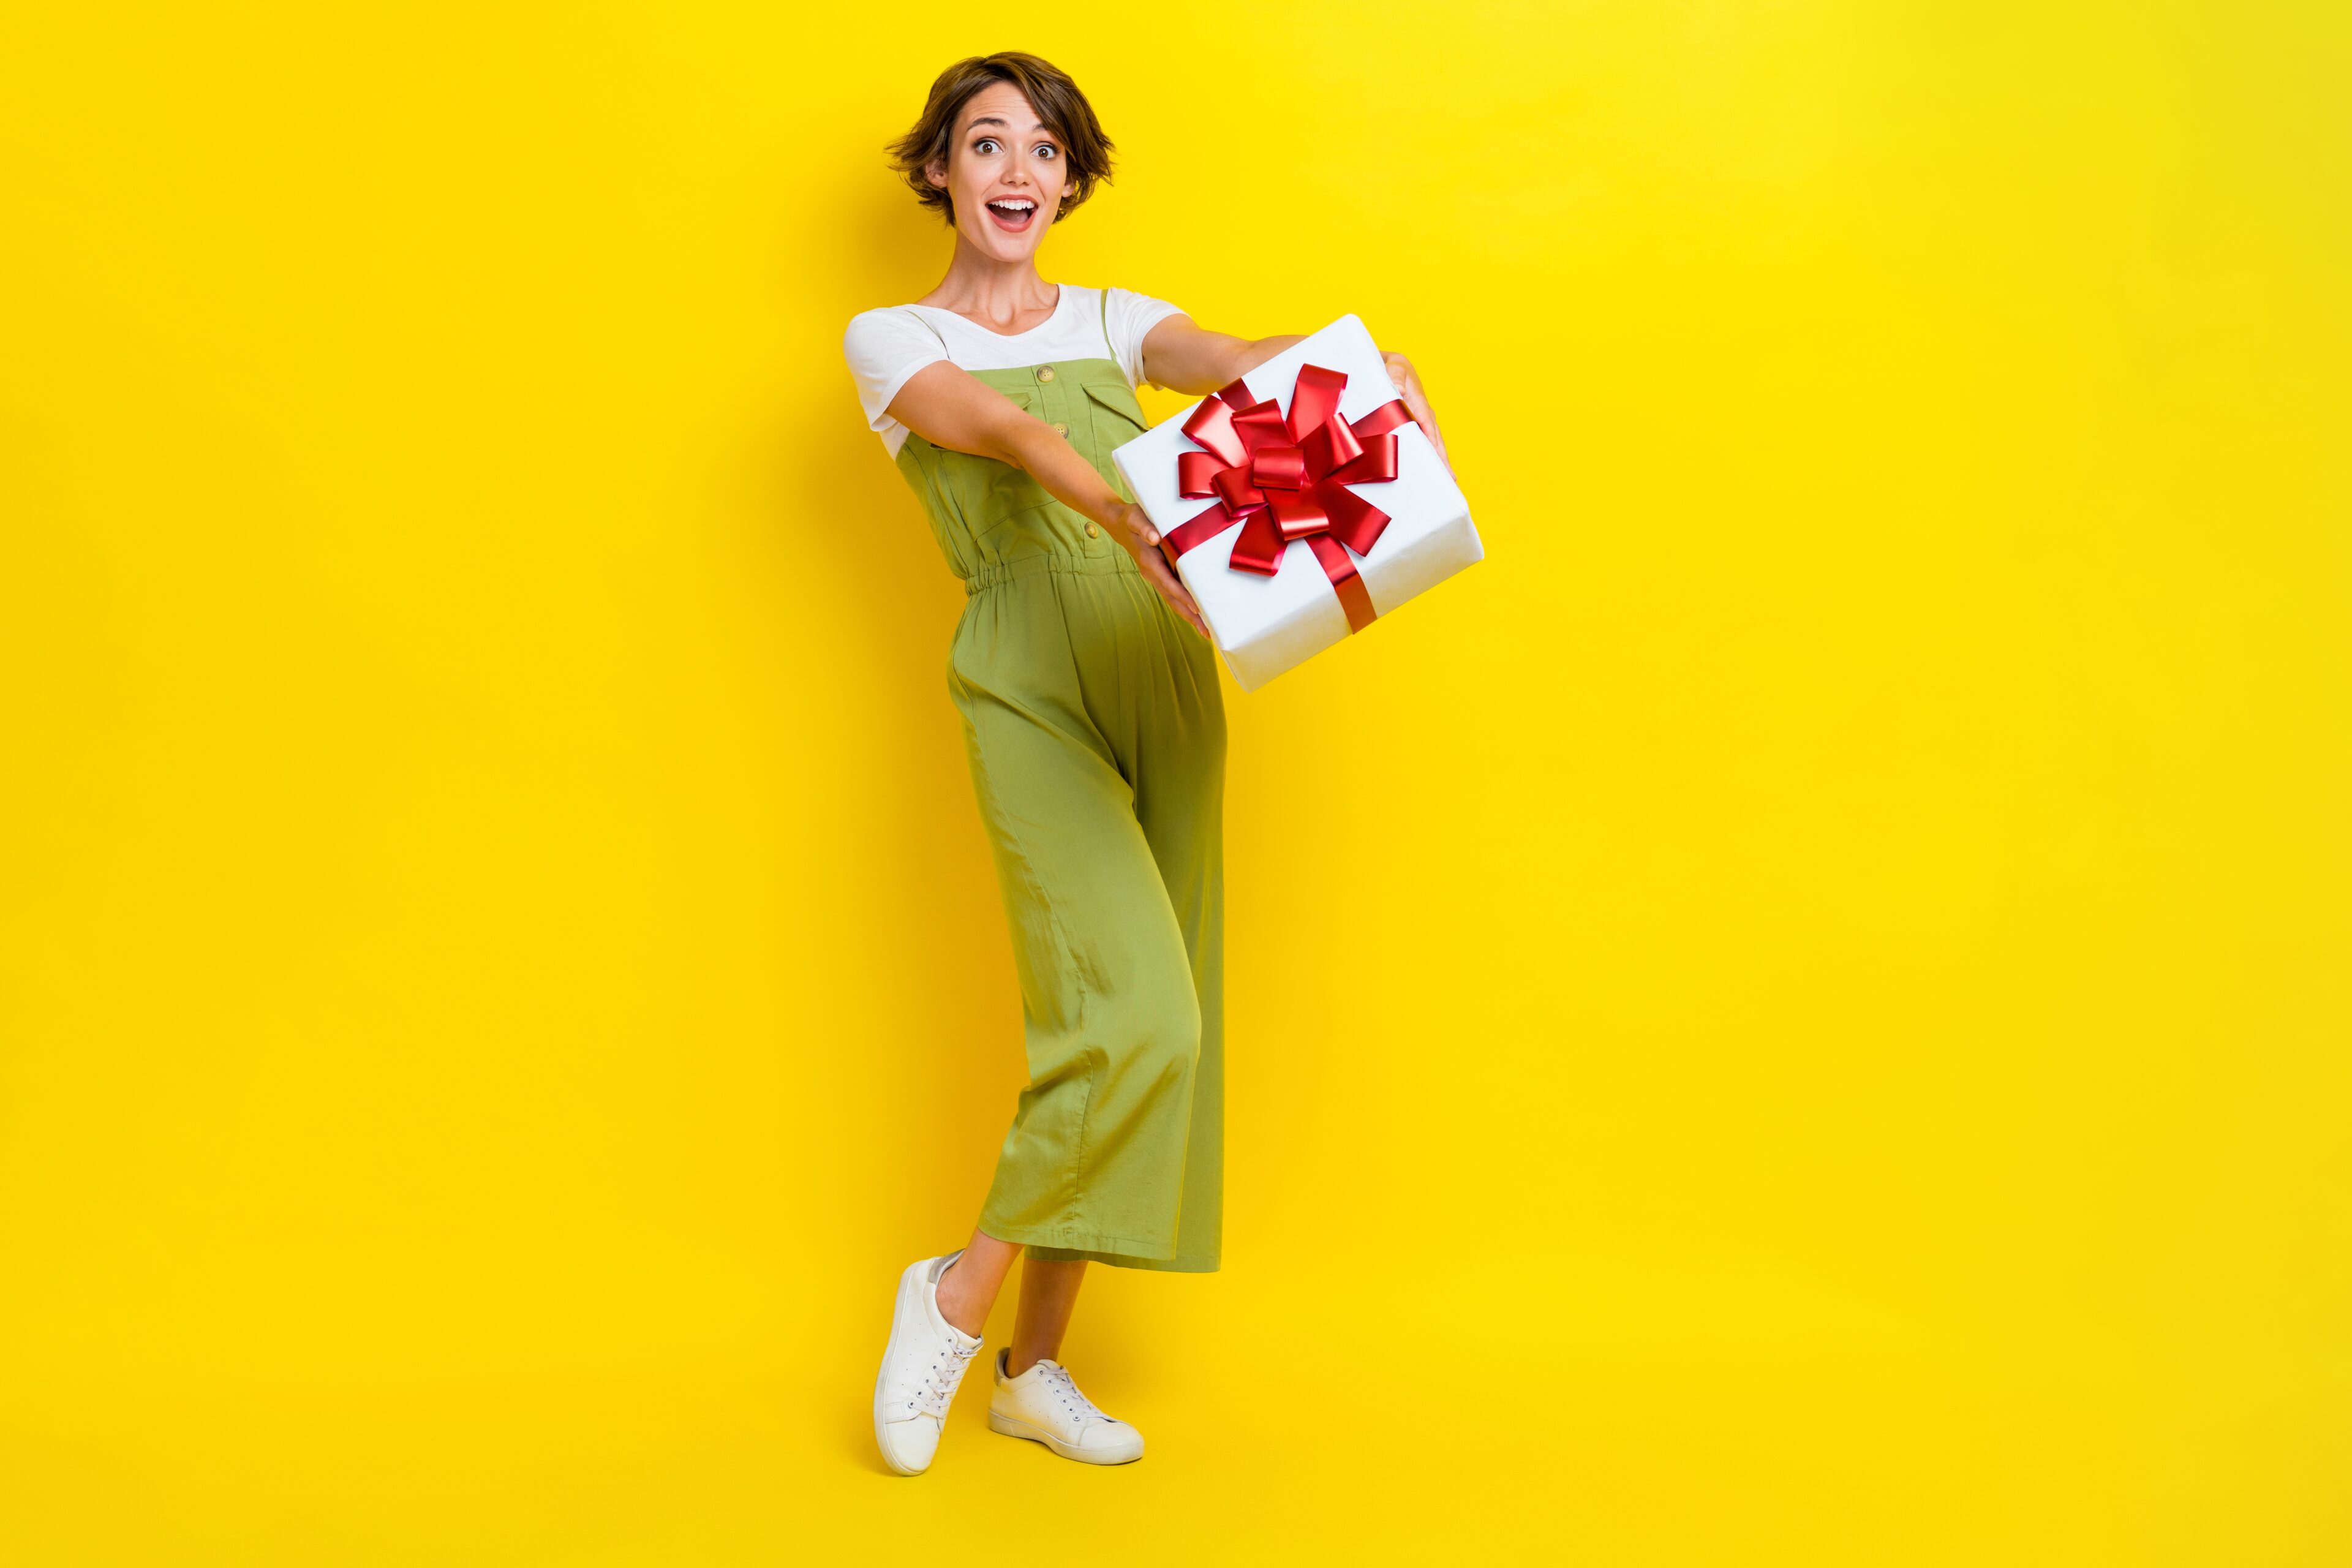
936,174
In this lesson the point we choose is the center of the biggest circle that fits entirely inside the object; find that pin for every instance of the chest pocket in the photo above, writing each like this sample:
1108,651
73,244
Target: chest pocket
1117,416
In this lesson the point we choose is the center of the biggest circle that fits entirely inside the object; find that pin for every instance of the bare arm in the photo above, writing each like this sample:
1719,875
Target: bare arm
1183,357
950,408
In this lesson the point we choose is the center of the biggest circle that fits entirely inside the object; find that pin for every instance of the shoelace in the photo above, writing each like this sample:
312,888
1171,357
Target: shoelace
1066,1389
939,1382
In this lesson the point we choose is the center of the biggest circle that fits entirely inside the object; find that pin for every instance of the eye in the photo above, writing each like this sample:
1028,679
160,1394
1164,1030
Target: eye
986,144
1047,150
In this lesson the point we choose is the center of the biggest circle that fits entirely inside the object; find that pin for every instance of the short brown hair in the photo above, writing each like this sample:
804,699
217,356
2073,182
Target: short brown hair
1050,91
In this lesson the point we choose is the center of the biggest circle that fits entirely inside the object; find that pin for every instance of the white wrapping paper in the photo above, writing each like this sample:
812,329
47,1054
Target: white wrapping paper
1263,625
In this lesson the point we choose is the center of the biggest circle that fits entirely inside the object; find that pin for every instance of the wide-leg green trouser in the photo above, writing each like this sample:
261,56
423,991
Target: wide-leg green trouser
1096,742
1097,739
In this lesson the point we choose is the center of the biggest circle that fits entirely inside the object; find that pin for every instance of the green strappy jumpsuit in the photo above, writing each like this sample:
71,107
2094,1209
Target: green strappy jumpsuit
1097,739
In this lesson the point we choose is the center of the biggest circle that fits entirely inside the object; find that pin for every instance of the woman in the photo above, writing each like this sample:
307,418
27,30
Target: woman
1096,741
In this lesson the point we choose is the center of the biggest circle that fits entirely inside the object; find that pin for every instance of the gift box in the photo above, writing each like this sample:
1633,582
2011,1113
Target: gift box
1301,502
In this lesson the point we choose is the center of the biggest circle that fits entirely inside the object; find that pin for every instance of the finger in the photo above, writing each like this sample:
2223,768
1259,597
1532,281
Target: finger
1164,576
1186,611
1171,587
1179,598
1137,524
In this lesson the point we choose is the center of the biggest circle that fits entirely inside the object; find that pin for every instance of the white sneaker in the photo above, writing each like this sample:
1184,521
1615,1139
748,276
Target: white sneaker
1044,1406
922,1366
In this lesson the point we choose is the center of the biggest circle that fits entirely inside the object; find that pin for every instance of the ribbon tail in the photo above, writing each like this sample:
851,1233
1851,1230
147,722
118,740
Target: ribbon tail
1354,521
1346,581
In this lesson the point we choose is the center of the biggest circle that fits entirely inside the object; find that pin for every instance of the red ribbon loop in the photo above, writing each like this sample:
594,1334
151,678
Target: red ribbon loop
1284,480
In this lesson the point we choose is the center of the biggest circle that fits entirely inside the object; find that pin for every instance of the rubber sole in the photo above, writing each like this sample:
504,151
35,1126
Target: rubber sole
1011,1428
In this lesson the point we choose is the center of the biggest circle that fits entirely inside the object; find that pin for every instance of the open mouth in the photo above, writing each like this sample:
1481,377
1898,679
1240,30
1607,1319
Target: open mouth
1012,214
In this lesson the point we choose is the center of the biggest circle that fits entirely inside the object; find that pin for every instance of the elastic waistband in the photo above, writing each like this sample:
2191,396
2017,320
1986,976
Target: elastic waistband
994,573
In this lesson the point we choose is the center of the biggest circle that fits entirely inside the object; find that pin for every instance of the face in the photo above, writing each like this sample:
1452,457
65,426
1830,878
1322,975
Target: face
1004,174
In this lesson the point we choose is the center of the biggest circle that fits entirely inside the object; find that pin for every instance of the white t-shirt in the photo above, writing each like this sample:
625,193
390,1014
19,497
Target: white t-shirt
885,347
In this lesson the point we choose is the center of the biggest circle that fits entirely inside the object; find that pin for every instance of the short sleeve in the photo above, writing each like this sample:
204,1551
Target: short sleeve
884,348
1128,317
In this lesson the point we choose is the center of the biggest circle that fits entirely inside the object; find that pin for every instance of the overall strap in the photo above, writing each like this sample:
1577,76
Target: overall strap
1106,327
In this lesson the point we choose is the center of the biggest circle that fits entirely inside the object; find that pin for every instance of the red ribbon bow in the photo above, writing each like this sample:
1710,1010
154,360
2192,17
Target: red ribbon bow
1288,479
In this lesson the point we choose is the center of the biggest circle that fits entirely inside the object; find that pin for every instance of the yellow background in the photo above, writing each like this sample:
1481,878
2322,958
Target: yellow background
1799,1014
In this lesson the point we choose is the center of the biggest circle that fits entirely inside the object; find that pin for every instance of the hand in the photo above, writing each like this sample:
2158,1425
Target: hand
1132,526
1408,385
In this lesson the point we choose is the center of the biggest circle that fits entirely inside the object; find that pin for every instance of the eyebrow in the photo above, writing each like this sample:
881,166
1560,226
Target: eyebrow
1000,120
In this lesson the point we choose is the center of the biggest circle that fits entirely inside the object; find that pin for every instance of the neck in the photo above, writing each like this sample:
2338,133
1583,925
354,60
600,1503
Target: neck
998,294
